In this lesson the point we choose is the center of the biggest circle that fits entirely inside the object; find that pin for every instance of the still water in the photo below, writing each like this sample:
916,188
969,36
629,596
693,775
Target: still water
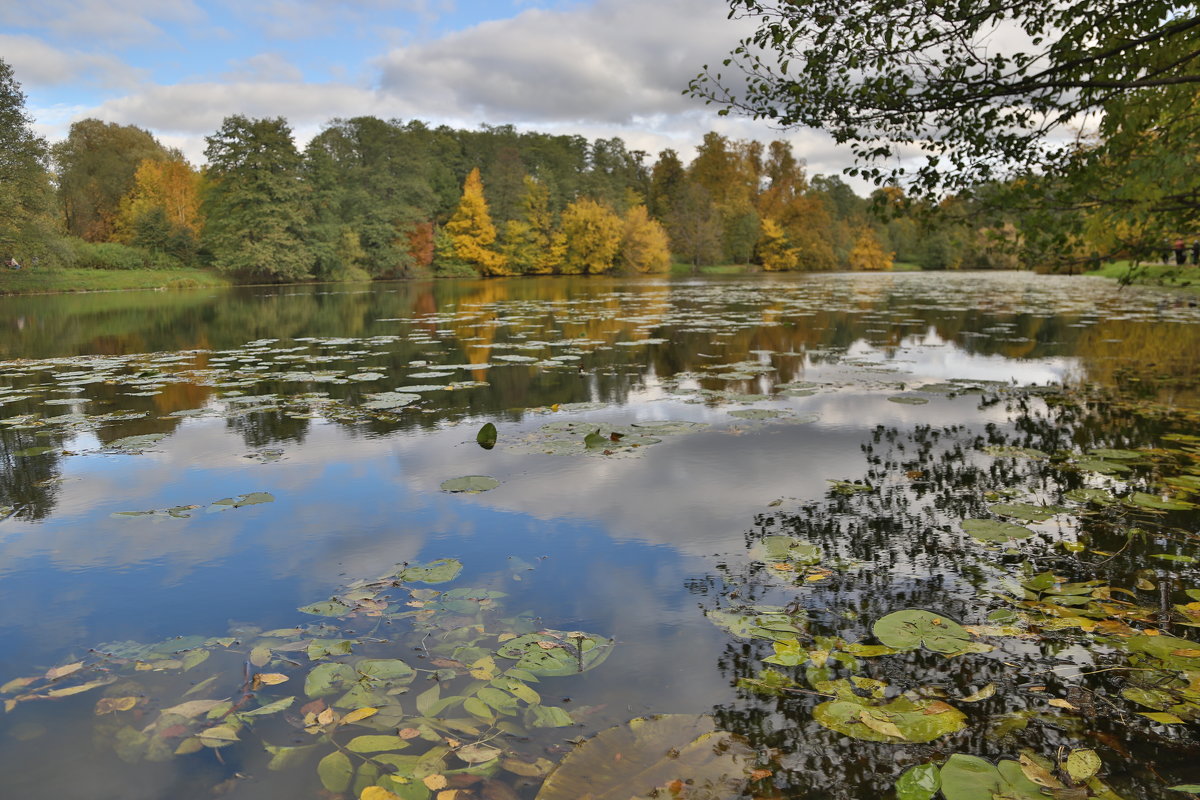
230,563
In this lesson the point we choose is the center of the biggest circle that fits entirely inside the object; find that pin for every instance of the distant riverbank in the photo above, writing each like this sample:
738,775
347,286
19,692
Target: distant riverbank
43,281
49,281
1185,276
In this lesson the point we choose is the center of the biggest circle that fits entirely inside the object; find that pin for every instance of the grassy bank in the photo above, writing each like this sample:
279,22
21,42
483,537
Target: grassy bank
1170,275
35,281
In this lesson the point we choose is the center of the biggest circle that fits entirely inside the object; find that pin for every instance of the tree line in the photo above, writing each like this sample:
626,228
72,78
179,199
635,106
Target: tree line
369,198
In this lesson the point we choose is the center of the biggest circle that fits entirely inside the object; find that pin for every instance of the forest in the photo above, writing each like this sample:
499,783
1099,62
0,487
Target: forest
375,199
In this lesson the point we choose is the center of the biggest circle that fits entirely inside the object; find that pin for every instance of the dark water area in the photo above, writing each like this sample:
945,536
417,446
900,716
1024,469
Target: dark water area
861,523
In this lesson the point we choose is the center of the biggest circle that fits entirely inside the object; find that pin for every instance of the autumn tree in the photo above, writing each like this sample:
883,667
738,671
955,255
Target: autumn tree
97,166
527,244
256,206
868,254
471,232
775,252
590,238
27,225
162,210
895,79
644,244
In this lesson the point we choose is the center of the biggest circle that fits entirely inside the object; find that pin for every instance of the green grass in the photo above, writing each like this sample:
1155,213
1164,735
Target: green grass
906,266
1179,277
681,268
35,281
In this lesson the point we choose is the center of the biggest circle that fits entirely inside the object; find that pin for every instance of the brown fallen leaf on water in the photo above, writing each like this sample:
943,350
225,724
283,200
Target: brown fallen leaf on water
108,705
55,673
268,679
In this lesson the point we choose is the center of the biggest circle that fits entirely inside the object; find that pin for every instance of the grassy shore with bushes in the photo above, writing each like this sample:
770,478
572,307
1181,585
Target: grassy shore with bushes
1185,276
75,279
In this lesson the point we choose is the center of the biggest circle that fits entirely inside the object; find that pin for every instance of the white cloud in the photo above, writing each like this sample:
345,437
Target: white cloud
37,63
612,62
263,67
112,22
603,69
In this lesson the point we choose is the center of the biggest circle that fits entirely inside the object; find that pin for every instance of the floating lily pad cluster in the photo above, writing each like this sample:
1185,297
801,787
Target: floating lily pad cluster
324,696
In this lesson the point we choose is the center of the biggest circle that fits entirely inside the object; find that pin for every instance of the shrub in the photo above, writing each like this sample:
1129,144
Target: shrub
110,255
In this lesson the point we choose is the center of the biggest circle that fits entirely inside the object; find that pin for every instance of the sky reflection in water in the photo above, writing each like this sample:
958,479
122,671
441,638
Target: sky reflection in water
620,544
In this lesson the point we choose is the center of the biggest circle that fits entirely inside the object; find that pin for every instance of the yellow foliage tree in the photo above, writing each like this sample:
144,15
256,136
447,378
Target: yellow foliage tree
644,244
471,233
775,253
527,242
868,253
589,238
167,185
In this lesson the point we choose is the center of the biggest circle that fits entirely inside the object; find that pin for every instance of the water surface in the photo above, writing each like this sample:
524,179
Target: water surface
203,464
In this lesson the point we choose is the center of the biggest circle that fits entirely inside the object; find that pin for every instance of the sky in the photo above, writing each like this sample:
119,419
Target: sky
596,68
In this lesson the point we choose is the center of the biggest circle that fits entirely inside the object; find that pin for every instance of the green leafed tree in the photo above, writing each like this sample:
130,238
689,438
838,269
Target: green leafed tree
97,166
257,203
368,181
1079,108
27,224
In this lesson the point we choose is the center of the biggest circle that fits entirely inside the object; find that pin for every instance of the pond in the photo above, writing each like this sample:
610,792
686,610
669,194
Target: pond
812,536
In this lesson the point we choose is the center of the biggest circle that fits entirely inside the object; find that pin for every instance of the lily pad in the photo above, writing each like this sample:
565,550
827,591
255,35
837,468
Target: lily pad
966,777
913,627
470,484
556,653
1025,511
908,400
440,571
486,438
637,759
990,530
904,719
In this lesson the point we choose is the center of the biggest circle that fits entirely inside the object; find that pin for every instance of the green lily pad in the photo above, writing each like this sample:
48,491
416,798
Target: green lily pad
990,530
486,438
914,627
327,608
920,782
470,484
788,549
636,759
440,571
967,777
1025,511
903,719
557,653
1153,501
758,413
772,623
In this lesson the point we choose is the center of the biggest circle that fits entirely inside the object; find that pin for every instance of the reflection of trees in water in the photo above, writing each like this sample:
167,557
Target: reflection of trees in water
706,324
905,549
30,482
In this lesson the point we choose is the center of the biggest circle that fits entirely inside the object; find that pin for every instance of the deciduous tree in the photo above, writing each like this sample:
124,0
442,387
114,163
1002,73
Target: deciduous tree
471,232
97,164
591,238
644,243
27,226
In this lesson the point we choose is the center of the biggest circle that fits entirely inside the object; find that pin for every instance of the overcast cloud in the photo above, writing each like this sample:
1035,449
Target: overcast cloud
178,68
